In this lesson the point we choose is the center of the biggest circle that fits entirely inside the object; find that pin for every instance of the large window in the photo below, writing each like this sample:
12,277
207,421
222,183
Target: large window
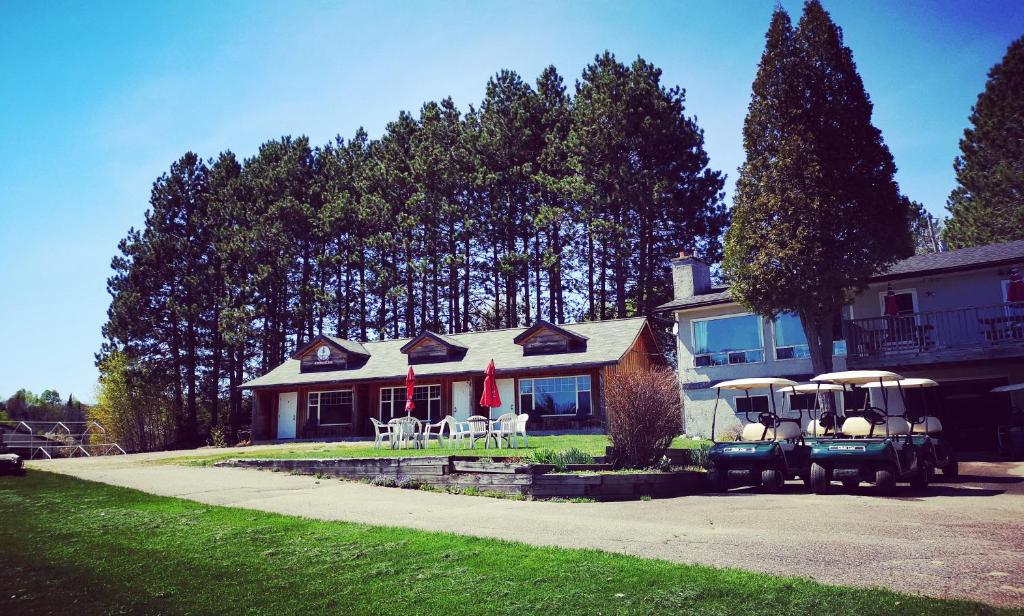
426,397
331,408
728,340
790,341
752,404
563,395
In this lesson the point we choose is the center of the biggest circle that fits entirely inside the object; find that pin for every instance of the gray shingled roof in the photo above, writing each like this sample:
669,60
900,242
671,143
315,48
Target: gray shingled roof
607,342
950,261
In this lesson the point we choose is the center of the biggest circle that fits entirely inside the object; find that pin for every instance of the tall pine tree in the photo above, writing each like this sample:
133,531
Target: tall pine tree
987,206
817,211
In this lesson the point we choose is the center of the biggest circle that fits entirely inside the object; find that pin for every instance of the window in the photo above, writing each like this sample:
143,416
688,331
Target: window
790,342
563,395
802,402
727,340
752,404
854,399
906,300
331,408
426,397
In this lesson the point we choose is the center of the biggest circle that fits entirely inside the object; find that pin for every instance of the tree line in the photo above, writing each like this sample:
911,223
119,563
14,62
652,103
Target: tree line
538,203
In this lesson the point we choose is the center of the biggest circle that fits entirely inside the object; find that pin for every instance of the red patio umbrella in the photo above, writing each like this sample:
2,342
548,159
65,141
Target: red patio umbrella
1015,290
892,307
410,385
490,396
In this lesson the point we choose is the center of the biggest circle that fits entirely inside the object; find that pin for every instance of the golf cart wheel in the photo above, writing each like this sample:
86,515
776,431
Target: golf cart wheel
922,477
719,480
821,477
951,470
851,484
885,480
771,480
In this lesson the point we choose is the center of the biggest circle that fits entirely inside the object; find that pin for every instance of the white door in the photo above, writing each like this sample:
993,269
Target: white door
287,408
462,400
507,391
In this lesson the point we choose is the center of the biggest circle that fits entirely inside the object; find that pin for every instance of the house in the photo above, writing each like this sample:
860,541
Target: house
556,373
953,325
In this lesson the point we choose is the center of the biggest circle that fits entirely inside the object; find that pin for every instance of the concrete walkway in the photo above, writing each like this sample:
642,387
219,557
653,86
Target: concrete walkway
962,540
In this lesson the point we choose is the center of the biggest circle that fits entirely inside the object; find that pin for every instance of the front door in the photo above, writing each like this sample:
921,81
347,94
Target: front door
507,391
287,408
462,399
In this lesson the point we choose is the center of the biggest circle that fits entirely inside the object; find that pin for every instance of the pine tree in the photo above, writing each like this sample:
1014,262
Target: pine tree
987,206
817,211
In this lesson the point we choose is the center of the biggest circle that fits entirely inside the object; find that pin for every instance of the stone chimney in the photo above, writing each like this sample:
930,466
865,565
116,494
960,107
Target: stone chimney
690,276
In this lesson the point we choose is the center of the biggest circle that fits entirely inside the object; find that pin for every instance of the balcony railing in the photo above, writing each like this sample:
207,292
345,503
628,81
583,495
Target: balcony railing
998,329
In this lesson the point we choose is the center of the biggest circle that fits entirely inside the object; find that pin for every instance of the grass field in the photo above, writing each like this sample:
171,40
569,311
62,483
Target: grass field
594,444
75,547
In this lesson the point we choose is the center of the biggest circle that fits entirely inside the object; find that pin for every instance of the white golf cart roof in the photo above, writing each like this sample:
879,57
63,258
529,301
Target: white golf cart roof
858,377
754,383
904,383
1008,388
810,388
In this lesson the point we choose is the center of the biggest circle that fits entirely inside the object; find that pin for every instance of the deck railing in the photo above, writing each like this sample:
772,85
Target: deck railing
998,327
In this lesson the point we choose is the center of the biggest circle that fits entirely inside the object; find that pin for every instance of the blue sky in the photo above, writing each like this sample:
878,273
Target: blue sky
100,98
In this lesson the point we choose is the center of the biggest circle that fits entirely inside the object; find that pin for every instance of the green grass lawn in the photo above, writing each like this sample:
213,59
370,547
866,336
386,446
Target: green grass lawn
594,444
70,546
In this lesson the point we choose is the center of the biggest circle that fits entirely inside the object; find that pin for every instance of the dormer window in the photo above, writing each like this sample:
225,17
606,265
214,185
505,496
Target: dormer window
547,338
327,353
429,347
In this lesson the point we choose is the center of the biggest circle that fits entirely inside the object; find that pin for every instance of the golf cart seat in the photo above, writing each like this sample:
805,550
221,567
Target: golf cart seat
815,427
859,426
930,425
786,431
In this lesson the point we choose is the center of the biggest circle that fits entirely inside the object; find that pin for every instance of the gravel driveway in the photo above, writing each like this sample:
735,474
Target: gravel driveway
964,539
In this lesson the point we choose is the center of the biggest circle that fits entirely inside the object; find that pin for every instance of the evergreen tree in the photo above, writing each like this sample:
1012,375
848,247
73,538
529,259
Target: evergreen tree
817,211
987,206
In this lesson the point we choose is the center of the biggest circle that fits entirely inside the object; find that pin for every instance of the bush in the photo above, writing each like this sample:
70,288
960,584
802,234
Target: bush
217,438
560,459
384,481
699,456
644,415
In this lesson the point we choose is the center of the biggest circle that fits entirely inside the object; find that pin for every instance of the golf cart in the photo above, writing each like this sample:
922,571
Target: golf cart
1010,436
925,429
770,448
10,463
872,446
826,424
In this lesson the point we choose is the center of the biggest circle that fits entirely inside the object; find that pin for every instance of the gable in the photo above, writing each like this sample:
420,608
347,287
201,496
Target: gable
430,347
546,338
322,357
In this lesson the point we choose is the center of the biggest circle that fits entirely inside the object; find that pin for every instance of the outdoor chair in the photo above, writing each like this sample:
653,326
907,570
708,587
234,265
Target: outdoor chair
382,432
504,427
435,431
476,429
521,420
408,429
457,431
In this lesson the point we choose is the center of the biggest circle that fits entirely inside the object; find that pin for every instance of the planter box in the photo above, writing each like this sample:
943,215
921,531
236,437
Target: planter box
523,478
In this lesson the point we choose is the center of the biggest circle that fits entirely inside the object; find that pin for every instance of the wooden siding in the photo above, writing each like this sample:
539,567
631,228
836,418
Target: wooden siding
642,355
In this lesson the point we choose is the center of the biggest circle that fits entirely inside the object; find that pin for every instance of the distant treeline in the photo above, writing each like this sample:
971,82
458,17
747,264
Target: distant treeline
47,406
536,204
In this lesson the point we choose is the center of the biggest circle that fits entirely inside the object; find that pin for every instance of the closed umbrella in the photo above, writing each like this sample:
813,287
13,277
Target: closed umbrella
410,385
892,307
1015,290
490,397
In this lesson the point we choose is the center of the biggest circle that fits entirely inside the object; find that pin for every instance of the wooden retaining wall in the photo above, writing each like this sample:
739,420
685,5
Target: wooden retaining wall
523,478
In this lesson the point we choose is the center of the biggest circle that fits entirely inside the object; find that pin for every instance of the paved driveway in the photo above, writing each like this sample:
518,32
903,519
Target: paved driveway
963,539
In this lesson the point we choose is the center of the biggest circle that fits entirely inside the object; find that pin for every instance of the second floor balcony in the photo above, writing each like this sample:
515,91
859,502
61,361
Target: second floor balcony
961,334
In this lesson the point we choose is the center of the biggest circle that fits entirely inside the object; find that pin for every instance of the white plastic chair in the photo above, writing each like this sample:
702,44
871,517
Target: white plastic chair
521,420
504,427
476,429
435,430
382,432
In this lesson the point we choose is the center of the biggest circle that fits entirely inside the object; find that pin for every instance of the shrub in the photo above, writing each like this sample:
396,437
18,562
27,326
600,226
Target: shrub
383,481
408,483
644,415
560,459
699,455
217,438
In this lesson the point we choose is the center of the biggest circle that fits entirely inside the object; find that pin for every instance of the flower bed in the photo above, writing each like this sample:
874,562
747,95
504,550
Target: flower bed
507,476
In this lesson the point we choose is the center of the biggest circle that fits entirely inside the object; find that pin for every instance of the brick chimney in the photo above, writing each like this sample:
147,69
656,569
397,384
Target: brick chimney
690,276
